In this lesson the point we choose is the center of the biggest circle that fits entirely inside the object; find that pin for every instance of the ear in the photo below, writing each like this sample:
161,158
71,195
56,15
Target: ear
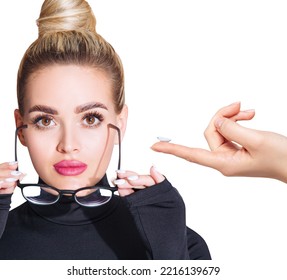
19,122
122,120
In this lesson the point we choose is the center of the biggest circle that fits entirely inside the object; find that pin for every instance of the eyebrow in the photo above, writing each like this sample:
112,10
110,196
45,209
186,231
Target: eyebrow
78,109
89,106
44,109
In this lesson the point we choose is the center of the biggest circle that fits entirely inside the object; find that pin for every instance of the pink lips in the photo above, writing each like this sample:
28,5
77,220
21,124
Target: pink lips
70,167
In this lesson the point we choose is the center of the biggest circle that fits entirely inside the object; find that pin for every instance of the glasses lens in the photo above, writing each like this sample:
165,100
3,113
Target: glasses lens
40,195
93,197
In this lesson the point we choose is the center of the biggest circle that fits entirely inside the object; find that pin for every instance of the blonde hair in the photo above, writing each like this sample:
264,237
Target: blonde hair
67,35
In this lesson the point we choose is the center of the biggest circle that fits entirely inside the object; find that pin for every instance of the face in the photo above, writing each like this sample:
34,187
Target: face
67,110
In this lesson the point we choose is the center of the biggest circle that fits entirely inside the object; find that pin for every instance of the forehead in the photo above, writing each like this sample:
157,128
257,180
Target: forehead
68,85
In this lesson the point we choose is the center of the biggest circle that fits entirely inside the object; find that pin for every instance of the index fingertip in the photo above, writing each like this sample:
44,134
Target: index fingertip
159,146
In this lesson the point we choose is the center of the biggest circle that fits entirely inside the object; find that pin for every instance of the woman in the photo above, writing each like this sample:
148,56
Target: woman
71,113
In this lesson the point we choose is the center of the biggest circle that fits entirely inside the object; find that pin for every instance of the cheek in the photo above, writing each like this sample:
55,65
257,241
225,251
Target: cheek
40,151
98,154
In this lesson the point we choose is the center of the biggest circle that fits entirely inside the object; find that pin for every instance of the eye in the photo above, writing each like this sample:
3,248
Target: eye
43,122
92,119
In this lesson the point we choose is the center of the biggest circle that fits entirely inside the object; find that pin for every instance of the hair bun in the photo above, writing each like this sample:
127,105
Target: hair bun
66,15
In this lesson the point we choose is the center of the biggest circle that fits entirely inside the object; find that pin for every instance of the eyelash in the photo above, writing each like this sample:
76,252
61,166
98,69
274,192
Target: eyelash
96,115
35,121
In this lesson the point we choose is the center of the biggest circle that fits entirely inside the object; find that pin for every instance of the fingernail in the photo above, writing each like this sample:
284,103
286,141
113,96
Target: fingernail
163,139
23,176
10,180
218,123
119,182
121,171
154,168
234,103
16,173
249,111
133,178
12,162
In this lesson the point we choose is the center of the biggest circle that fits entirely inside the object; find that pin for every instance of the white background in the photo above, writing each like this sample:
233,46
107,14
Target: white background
183,61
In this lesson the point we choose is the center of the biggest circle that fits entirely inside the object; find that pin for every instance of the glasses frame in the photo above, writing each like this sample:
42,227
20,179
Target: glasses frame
69,192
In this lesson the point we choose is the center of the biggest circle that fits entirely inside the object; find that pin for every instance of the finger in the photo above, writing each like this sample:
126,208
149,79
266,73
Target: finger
156,176
125,192
9,165
135,180
232,110
13,164
195,155
213,138
21,177
232,131
212,135
9,177
229,110
243,115
8,182
125,184
9,190
7,187
12,176
121,174
139,181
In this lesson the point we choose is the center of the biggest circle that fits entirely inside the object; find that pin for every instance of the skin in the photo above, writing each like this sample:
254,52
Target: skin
63,126
234,149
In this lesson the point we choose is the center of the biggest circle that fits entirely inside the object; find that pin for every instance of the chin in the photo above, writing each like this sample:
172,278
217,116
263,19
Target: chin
70,182
66,183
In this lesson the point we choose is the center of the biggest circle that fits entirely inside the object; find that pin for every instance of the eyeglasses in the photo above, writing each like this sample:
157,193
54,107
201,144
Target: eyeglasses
42,194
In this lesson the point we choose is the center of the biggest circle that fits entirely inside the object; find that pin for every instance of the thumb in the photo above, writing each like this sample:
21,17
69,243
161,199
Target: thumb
157,177
232,131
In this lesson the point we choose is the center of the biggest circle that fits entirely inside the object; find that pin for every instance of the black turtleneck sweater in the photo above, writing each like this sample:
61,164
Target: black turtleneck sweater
148,224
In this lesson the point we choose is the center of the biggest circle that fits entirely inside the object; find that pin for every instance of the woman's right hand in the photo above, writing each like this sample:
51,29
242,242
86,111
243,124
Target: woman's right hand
9,177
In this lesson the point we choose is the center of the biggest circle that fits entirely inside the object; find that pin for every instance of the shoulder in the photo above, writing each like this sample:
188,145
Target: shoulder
19,211
197,247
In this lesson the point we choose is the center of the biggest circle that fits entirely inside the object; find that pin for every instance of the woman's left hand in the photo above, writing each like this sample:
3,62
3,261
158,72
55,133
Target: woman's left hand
128,181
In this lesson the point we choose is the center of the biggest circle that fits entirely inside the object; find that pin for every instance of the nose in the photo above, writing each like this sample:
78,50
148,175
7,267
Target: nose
68,141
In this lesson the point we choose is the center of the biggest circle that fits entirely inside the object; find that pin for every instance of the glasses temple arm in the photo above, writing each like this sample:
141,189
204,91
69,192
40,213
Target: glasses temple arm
16,134
120,143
